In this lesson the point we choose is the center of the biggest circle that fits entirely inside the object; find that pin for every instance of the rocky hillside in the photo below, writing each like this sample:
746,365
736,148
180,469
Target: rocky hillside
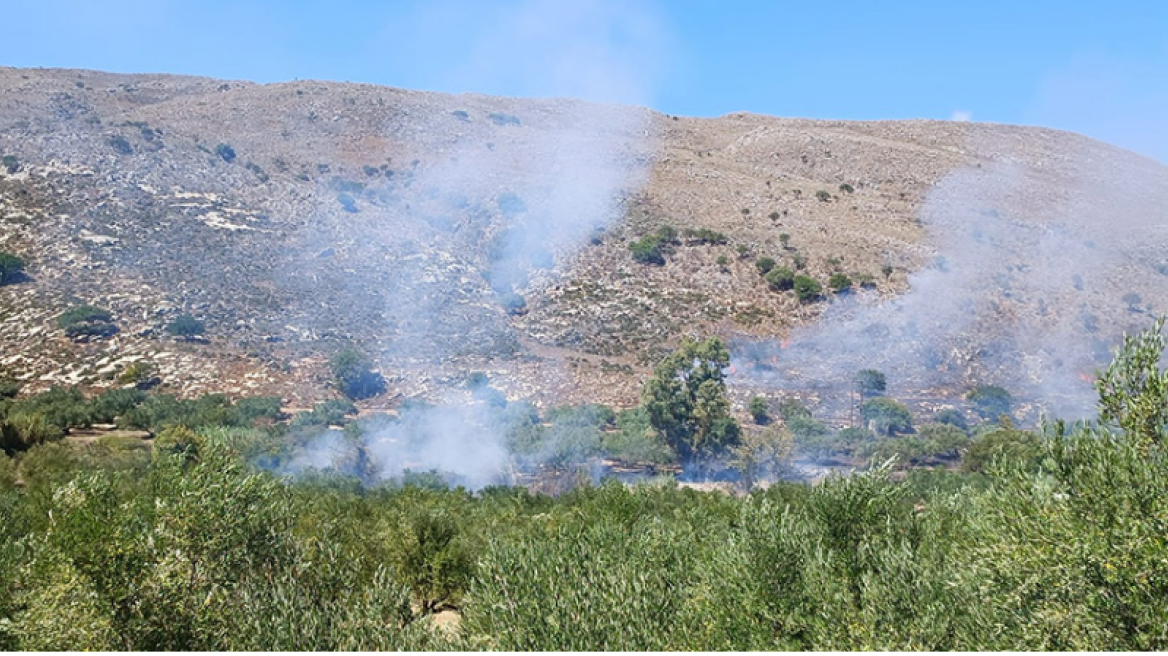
450,234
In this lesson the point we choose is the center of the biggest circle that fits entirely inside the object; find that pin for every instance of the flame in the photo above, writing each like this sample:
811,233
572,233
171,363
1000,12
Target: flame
1086,378
785,344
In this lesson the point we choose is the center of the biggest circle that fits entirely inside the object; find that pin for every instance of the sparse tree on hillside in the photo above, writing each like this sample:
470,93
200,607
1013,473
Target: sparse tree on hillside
186,327
353,375
990,401
887,416
760,410
1133,387
870,382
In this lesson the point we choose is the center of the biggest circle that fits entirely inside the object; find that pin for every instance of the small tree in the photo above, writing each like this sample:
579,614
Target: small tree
839,282
886,415
807,288
227,153
780,279
990,401
870,382
785,239
762,454
823,195
186,327
11,267
353,375
765,264
760,410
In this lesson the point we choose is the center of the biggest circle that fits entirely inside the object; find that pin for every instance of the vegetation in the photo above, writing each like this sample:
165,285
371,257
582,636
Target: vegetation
652,248
225,152
11,268
705,236
990,401
807,288
87,320
780,279
870,382
186,326
353,375
686,401
1047,540
886,416
765,264
760,409
839,282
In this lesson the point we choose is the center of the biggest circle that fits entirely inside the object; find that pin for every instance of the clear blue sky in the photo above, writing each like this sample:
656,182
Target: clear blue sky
1100,68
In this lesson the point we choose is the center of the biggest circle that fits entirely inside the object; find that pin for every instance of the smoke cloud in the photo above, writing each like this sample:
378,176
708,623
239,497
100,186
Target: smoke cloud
1029,289
503,189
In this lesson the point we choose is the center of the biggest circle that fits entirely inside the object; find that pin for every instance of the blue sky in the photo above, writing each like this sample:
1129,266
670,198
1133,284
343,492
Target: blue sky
1091,67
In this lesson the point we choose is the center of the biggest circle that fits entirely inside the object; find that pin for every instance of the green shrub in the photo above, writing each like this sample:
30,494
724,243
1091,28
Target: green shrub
870,382
807,289
990,401
11,268
636,441
705,236
952,417
839,282
780,279
759,409
225,152
846,188
10,164
353,375
87,320
785,239
765,264
886,415
823,196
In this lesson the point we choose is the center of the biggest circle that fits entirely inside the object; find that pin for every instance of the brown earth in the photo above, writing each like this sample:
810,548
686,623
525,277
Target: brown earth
120,197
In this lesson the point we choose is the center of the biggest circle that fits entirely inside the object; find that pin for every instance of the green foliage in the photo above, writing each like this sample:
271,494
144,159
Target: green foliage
759,409
87,320
839,282
635,440
10,164
1003,445
990,401
186,327
780,279
11,267
686,400
765,264
823,195
431,558
705,236
353,375
870,382
1133,387
846,188
785,239
9,388
652,248
886,416
952,417
807,288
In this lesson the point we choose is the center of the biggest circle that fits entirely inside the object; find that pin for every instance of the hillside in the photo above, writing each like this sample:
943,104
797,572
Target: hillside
299,217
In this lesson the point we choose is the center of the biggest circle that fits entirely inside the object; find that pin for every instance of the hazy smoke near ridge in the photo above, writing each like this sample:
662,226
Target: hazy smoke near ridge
530,201
1003,302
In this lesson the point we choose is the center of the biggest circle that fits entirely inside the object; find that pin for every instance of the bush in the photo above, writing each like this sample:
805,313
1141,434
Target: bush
952,417
839,282
10,164
87,320
780,279
846,188
348,203
785,239
886,416
990,401
870,382
823,196
705,236
511,204
353,375
807,289
636,441
11,268
513,303
120,145
225,152
759,410
765,264
186,327
9,388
